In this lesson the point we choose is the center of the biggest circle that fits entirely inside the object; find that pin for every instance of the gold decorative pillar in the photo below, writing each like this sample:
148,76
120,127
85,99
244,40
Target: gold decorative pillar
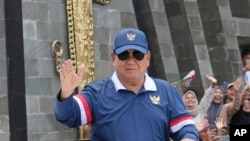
81,44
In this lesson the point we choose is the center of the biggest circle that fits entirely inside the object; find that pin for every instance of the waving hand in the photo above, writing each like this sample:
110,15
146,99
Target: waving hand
70,79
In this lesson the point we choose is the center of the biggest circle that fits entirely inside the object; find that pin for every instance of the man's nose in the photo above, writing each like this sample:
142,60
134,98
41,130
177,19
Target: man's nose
131,55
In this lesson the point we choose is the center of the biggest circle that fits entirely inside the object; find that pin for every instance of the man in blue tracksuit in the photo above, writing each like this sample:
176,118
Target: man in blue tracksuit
128,106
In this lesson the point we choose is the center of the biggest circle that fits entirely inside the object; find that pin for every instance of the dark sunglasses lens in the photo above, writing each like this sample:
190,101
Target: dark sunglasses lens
123,56
138,55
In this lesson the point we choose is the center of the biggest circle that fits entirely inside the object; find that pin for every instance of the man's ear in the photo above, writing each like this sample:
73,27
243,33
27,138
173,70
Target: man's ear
113,56
148,57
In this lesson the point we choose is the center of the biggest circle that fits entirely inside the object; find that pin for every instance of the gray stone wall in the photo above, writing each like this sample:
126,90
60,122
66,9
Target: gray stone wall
43,22
4,112
215,37
231,27
189,41
162,48
222,32
199,41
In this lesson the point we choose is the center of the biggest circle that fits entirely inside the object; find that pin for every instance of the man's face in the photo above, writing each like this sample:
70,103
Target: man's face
245,59
131,69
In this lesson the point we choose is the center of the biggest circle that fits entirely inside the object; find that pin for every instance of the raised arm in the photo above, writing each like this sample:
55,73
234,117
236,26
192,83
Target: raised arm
68,106
236,103
231,108
208,96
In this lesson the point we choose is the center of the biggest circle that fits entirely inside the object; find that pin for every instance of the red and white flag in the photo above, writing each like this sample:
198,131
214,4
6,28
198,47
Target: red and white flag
188,78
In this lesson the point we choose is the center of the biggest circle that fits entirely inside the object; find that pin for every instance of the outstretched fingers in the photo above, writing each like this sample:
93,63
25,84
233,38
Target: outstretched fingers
67,68
68,76
81,71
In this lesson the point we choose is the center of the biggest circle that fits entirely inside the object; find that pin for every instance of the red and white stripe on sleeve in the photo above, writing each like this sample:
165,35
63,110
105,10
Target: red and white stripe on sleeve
177,124
84,109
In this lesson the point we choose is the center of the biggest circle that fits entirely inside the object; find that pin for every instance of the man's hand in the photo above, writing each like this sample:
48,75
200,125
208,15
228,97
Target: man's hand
70,79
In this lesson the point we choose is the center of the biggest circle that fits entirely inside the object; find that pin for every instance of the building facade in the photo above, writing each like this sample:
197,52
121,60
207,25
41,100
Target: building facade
184,35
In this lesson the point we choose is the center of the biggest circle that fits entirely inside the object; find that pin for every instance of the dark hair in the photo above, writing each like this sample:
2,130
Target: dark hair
245,52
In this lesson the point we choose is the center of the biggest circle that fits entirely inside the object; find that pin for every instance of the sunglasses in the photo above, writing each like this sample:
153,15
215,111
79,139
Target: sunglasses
136,54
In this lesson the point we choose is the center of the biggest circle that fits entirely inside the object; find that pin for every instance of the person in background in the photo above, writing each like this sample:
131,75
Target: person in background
242,116
128,106
191,102
214,109
229,93
198,111
230,108
208,96
211,105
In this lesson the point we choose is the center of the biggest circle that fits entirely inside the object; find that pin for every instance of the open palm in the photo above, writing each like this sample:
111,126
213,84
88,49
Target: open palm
220,123
69,78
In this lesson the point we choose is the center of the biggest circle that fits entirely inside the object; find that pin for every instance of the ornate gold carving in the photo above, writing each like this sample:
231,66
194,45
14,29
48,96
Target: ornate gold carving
82,49
71,34
58,51
80,29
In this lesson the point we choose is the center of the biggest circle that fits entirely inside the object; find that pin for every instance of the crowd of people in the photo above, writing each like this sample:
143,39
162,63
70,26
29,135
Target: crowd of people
130,105
220,105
